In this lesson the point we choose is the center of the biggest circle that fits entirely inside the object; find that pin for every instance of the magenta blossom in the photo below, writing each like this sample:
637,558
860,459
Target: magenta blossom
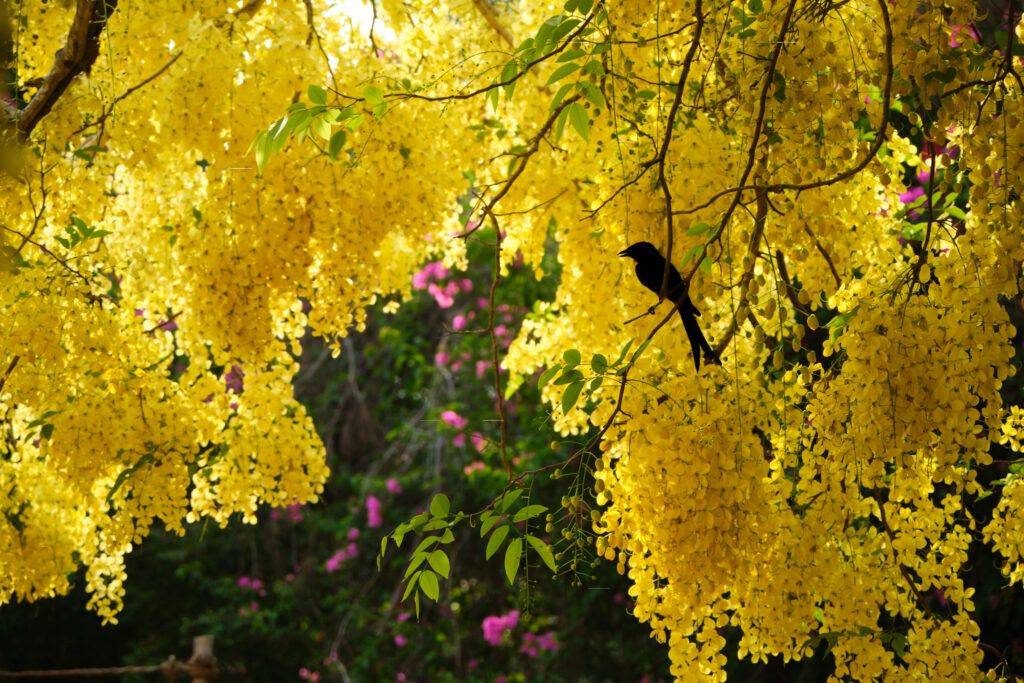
392,485
451,418
495,627
373,518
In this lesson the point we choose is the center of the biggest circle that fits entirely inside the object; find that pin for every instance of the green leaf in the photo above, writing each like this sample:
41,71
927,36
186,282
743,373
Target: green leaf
645,95
579,120
569,376
560,122
426,543
317,95
598,363
354,122
705,265
428,583
506,501
564,29
527,512
592,93
698,229
561,72
571,395
510,71
372,94
639,351
321,128
584,6
560,95
622,354
261,150
497,538
379,109
571,357
543,550
439,562
440,505
546,376
596,383
47,431
525,45
336,143
570,55
514,382
692,252
411,585
513,554
487,522
414,563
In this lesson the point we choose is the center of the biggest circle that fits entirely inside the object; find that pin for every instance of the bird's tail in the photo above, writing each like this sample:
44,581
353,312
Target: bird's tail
698,344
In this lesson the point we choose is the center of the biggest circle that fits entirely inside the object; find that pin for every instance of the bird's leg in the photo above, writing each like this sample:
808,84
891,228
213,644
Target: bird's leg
650,311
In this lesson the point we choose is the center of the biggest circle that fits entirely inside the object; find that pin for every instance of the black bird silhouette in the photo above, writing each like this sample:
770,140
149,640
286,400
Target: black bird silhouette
650,270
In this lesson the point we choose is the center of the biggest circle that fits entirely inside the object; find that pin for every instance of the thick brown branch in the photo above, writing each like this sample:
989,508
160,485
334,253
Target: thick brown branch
77,56
492,18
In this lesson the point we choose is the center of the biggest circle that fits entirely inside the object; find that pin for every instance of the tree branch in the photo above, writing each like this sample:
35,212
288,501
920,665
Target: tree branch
77,56
488,11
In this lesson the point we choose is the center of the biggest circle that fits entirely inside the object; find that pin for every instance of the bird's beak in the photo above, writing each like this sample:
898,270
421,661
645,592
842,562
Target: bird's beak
624,252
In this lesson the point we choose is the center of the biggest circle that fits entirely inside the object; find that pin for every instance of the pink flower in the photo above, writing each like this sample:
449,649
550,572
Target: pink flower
353,534
373,518
450,417
402,616
443,298
481,368
392,485
546,641
400,640
494,628
233,379
459,440
244,581
441,358
466,284
333,563
483,303
501,330
458,322
473,467
478,441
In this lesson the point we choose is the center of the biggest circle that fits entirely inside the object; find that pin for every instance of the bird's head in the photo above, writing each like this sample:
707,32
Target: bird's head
640,250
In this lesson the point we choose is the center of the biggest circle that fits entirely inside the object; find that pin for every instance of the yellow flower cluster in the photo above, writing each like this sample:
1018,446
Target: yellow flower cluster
818,480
